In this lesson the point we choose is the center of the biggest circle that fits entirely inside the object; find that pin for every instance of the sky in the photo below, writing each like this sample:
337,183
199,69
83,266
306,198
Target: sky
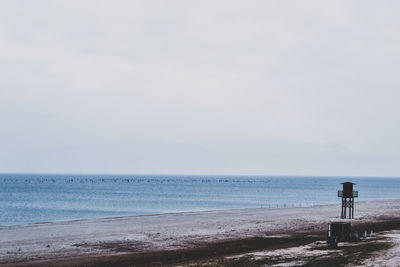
200,87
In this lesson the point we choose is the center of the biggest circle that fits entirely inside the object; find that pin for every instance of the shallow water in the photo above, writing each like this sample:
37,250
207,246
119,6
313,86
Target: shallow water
26,198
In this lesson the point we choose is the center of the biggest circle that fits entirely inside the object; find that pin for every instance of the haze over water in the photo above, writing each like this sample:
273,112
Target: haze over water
45,198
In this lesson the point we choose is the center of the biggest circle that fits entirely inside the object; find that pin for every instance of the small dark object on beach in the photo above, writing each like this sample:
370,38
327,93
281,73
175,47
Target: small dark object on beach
333,241
355,237
341,230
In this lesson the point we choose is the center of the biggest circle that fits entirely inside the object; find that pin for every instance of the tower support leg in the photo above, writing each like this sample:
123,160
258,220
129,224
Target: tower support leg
347,204
342,215
352,207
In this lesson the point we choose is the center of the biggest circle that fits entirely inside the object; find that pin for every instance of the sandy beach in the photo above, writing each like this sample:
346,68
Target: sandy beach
182,238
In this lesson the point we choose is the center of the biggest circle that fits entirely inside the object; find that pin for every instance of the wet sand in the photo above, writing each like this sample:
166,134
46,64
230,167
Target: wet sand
180,238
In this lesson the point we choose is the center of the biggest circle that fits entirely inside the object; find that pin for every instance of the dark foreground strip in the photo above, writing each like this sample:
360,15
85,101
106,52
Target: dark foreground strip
207,251
163,258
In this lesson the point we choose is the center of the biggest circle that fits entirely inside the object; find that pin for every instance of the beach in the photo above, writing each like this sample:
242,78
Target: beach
182,238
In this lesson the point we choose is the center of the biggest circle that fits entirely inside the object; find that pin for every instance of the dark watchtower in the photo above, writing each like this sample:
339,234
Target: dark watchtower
347,196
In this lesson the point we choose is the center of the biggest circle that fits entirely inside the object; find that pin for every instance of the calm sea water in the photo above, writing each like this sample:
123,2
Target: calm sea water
44,198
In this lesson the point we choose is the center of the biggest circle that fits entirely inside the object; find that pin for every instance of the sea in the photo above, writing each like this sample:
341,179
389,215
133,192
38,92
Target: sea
37,198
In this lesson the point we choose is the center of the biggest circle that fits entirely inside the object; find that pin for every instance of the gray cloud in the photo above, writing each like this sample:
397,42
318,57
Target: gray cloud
201,83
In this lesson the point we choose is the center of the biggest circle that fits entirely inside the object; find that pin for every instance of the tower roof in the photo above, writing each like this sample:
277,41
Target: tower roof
347,183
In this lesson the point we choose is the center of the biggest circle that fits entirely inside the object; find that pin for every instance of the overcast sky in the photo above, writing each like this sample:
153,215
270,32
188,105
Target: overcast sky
200,87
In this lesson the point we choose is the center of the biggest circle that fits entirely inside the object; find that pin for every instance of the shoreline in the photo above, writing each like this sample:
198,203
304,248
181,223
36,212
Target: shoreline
137,238
185,212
